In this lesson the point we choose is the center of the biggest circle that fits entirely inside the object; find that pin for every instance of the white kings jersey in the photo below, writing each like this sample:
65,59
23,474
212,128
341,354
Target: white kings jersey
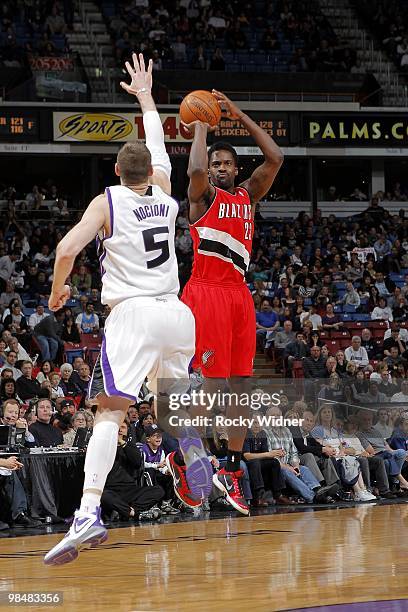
138,258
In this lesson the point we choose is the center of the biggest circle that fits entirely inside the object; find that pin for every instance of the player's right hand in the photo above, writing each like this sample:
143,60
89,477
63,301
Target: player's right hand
141,79
58,299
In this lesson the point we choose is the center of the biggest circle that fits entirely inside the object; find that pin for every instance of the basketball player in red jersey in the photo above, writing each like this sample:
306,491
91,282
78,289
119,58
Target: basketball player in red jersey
222,225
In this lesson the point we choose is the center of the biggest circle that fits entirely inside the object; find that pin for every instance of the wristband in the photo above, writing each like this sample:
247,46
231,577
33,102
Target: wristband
143,90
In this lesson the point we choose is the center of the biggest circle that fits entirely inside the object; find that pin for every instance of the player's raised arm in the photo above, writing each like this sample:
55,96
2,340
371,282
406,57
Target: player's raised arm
93,220
141,87
263,177
200,190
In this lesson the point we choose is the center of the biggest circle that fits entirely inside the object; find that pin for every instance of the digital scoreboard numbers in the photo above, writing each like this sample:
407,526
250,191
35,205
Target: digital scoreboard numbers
18,127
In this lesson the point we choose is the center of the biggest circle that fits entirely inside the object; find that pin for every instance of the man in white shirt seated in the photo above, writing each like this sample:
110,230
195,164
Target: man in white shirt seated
357,353
382,312
14,345
37,316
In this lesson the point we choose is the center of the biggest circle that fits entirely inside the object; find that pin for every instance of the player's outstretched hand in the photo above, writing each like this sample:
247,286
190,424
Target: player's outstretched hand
57,299
191,127
141,79
228,107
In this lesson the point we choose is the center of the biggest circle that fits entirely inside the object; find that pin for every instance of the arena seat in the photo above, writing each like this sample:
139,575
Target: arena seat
333,346
339,334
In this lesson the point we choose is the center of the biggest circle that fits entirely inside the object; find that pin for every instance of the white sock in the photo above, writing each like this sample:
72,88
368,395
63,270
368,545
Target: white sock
100,457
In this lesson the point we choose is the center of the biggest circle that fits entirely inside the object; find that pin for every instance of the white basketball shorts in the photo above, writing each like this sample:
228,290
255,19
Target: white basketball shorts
151,337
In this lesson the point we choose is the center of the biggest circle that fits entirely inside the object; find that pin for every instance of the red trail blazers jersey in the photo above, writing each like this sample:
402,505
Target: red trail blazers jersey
222,238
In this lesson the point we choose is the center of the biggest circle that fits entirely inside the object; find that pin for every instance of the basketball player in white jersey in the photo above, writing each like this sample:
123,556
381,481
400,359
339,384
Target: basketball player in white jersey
149,331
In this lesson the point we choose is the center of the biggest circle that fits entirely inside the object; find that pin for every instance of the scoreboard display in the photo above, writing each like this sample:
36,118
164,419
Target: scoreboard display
18,126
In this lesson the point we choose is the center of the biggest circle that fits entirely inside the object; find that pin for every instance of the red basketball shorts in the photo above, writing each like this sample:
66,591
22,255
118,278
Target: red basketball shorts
225,328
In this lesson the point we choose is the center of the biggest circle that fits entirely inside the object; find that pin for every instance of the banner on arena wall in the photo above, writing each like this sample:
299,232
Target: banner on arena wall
355,130
113,127
122,127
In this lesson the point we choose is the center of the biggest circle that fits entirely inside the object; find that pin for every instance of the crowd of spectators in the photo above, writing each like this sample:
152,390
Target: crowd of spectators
33,28
284,36
389,22
331,297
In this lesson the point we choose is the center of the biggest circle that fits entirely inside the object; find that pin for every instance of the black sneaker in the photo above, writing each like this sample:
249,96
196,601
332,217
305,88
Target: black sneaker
388,495
22,520
4,526
150,515
323,493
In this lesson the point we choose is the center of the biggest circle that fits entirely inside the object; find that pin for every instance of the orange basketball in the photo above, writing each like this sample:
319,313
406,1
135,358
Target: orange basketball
200,105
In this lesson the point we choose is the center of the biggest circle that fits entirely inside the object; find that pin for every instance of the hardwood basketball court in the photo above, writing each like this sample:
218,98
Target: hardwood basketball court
266,562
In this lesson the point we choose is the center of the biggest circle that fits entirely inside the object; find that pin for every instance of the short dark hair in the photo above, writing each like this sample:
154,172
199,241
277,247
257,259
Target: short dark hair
223,146
134,161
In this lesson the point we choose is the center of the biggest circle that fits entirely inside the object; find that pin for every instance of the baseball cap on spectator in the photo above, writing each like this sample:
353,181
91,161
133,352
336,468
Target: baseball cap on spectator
151,430
67,402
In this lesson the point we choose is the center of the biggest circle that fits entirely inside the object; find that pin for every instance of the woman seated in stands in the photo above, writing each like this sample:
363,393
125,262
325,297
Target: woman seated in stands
77,420
45,370
341,362
326,433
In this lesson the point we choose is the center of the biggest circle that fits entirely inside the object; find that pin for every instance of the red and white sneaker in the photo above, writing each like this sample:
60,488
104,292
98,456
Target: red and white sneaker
181,488
230,484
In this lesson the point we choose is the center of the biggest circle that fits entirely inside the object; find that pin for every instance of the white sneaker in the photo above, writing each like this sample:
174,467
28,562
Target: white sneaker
87,529
364,496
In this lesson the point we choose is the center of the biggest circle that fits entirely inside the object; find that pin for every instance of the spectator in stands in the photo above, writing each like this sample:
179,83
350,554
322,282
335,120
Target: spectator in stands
70,332
77,420
385,286
394,340
46,368
318,458
16,498
386,385
370,437
382,311
67,384
55,23
122,494
283,338
394,360
351,297
47,333
350,472
9,296
7,268
330,319
10,365
368,344
16,323
44,433
56,390
382,423
297,476
27,387
88,321
314,367
264,468
356,353
82,280
11,417
14,345
373,395
84,378
311,315
37,316
402,396
267,322
296,350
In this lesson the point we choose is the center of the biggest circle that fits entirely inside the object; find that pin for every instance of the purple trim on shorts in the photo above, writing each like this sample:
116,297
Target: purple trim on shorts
108,193
109,381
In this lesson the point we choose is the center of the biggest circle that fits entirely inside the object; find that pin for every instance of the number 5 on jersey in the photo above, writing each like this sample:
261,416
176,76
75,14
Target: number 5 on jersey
156,245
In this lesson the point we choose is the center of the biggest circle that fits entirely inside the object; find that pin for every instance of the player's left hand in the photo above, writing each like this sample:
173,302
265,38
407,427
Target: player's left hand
230,109
57,299
140,77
